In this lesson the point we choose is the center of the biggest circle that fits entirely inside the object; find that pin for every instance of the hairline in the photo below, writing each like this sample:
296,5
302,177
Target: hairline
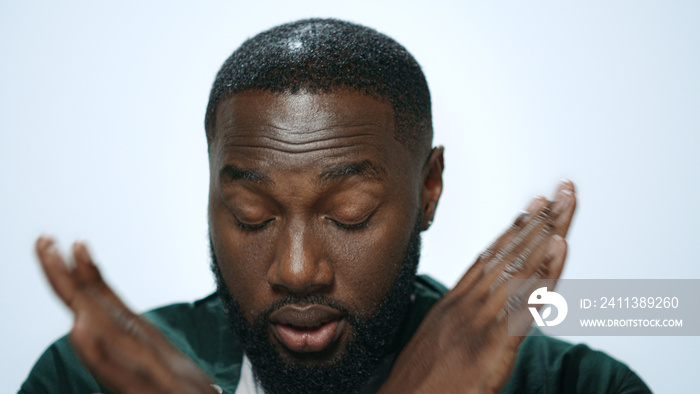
418,146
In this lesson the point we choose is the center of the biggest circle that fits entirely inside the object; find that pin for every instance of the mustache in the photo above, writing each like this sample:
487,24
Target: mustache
263,317
309,299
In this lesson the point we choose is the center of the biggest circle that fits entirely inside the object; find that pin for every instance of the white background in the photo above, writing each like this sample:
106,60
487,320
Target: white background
101,136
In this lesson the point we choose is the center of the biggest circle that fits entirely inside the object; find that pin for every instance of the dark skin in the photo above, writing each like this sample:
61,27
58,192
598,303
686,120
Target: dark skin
312,194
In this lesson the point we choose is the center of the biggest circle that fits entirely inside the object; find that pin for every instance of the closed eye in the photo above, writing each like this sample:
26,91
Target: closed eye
253,227
354,226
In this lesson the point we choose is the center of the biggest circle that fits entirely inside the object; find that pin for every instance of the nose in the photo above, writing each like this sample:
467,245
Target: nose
300,266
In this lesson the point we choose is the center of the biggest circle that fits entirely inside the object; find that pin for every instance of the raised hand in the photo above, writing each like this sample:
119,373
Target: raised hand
462,345
122,350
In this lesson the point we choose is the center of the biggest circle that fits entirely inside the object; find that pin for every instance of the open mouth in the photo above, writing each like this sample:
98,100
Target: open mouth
308,328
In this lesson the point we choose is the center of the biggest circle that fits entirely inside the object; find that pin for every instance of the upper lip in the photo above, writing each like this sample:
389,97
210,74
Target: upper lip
307,316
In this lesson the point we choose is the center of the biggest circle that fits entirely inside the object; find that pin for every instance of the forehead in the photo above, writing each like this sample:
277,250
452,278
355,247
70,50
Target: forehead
295,132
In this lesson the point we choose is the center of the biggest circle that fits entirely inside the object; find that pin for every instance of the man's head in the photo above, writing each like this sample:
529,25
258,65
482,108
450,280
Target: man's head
322,55
321,178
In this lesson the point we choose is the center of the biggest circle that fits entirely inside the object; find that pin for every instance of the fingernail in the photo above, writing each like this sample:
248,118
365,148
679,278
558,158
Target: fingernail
77,246
562,200
564,184
569,185
44,241
51,249
81,252
520,219
536,204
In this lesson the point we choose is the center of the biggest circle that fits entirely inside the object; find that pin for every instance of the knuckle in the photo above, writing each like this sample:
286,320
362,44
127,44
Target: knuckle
564,247
81,334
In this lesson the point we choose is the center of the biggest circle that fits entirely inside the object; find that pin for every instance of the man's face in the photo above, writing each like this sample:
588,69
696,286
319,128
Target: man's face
312,204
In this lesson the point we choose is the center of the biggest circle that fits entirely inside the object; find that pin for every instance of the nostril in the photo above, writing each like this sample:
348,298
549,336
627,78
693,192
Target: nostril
301,277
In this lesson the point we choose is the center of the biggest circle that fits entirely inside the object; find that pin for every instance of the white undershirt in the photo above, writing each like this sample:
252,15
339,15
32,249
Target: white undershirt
247,384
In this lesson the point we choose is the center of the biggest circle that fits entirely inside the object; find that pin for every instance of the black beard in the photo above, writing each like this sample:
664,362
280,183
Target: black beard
352,369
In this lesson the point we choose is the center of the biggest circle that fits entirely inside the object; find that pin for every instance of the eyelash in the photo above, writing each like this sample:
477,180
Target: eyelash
355,226
260,226
253,227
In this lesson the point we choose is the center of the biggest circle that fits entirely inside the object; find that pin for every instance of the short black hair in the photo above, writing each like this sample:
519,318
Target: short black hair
321,55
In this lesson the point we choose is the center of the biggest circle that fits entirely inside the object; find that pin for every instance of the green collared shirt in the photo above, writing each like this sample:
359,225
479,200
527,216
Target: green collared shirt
200,330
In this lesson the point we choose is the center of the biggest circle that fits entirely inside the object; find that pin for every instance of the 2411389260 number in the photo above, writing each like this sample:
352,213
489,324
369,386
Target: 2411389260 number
639,302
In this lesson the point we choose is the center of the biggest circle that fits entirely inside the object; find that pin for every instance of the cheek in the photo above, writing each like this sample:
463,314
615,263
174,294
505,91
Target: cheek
369,262
366,265
243,261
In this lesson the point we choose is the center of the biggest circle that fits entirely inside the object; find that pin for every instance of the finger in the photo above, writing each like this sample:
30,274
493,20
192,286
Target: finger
91,280
59,276
498,302
118,350
561,214
85,269
131,360
493,290
537,204
118,334
485,262
522,237
141,361
508,300
556,257
103,367
153,363
564,207
514,317
519,258
552,264
141,348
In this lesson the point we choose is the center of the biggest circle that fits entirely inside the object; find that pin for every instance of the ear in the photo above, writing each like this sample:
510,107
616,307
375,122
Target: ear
431,185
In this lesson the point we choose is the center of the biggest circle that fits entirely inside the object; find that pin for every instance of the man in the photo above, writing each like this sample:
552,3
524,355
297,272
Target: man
322,176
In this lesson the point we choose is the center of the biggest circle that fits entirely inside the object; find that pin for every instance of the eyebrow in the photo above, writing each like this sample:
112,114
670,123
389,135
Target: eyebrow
233,173
365,169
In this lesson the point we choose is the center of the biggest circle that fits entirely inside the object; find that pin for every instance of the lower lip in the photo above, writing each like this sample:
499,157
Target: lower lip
302,340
